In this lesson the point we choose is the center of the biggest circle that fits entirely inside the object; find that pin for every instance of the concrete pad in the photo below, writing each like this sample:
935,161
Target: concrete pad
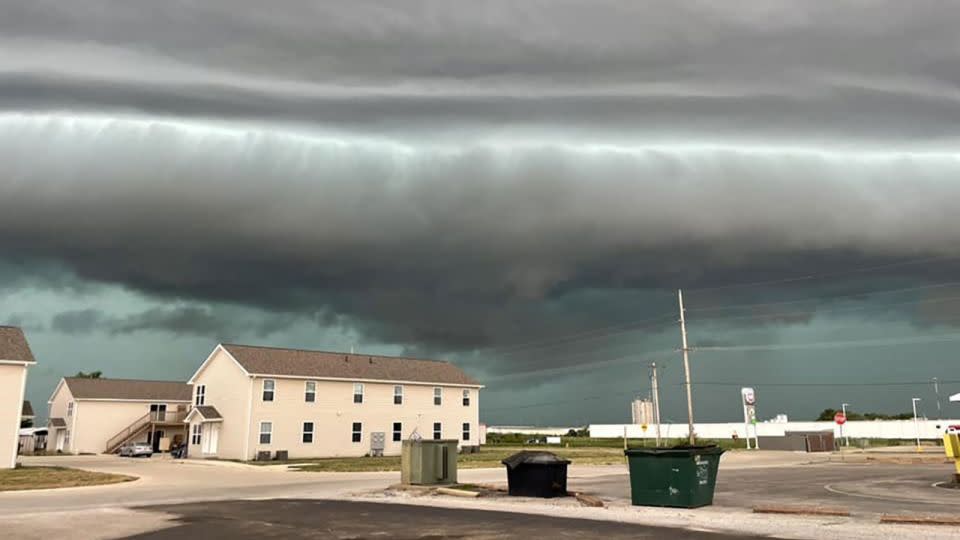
100,524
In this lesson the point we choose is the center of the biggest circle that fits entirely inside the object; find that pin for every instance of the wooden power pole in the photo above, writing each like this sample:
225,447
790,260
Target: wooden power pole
686,368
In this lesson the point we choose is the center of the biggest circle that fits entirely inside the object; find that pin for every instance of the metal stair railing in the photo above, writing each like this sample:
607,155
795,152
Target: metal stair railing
126,433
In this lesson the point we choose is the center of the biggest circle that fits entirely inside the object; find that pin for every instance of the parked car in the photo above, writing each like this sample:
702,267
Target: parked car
136,450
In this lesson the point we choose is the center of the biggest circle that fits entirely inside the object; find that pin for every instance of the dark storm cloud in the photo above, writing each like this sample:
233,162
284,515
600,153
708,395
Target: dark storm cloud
446,176
190,320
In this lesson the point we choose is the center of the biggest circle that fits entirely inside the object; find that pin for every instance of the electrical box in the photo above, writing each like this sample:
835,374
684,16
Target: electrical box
427,462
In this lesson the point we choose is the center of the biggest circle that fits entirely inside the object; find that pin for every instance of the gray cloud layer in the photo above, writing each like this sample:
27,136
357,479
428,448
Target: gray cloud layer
447,175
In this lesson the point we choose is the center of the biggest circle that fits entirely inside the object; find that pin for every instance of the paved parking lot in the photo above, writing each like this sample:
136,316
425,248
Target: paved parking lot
155,502
256,520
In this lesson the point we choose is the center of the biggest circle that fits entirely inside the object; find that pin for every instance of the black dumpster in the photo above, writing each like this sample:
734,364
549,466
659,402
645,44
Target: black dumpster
537,474
682,476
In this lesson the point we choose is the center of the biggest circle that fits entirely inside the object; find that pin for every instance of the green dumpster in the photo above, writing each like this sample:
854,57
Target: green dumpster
681,476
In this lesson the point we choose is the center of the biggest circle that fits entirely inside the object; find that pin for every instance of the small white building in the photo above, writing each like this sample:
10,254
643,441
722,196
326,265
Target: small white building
253,401
15,358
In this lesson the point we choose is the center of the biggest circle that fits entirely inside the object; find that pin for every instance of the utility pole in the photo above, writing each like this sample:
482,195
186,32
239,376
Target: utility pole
656,399
686,368
846,438
916,423
936,390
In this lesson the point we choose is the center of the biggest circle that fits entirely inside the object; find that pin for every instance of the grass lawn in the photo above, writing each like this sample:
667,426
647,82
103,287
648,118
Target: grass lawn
487,457
24,478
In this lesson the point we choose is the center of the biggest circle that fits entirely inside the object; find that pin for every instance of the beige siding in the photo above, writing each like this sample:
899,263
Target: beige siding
97,422
58,409
12,381
334,413
227,389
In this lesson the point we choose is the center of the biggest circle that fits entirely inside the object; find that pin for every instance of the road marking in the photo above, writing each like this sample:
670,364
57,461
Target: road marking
832,489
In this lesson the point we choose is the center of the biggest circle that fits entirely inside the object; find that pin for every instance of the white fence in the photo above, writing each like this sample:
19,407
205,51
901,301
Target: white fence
867,429
530,430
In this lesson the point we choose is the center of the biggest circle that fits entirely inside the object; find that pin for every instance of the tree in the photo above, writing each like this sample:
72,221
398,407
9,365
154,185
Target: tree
827,416
91,375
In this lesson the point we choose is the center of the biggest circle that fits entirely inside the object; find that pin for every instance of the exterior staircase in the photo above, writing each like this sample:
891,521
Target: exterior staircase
137,427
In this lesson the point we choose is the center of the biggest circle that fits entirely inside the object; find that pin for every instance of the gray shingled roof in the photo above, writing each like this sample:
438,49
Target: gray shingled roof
27,410
58,422
209,412
83,388
301,363
13,345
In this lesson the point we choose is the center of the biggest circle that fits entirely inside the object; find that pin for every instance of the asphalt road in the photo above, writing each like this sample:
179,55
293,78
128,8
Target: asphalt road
286,518
865,489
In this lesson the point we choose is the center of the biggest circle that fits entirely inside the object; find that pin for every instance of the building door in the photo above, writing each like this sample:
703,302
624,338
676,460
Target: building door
157,435
158,412
211,437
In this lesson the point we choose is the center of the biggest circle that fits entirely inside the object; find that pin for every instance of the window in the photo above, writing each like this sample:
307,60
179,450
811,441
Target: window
437,431
398,395
266,432
307,432
357,435
466,431
438,396
70,409
197,435
466,398
66,438
397,431
201,397
357,392
269,389
310,391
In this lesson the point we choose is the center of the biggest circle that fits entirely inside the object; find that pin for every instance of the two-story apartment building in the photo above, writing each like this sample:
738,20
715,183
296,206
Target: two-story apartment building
15,358
99,415
325,404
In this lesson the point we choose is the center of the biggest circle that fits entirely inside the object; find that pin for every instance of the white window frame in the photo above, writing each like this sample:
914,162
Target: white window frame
304,432
397,433
437,431
398,393
273,391
466,398
196,435
360,387
466,431
437,396
356,433
310,396
70,407
268,433
200,398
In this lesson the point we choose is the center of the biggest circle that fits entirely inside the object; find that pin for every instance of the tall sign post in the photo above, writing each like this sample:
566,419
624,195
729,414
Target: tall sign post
749,398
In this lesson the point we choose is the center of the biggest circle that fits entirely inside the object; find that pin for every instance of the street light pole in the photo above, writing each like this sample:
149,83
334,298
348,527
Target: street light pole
916,422
845,438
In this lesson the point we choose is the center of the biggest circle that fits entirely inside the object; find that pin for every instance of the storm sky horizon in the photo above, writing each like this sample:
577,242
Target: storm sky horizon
518,188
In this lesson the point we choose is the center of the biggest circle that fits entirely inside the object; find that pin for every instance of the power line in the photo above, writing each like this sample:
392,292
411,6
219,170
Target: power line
817,384
814,309
917,340
822,298
810,277
596,333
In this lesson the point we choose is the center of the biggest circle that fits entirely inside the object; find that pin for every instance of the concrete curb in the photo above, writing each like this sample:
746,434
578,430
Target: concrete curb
919,520
802,510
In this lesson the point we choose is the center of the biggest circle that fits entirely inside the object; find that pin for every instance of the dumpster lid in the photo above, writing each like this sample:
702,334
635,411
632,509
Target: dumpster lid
682,450
532,457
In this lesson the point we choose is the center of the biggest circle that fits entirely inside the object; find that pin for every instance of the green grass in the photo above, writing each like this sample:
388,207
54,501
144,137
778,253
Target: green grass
26,478
486,458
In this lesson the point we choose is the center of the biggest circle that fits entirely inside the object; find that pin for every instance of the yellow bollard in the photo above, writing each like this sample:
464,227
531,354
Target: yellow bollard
951,445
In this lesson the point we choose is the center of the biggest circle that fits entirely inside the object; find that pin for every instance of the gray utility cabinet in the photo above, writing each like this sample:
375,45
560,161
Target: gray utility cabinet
427,462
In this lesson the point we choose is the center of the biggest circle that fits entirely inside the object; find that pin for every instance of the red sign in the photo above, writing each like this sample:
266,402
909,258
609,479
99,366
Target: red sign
839,418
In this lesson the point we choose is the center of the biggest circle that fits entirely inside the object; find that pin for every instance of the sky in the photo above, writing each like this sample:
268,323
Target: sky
519,188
